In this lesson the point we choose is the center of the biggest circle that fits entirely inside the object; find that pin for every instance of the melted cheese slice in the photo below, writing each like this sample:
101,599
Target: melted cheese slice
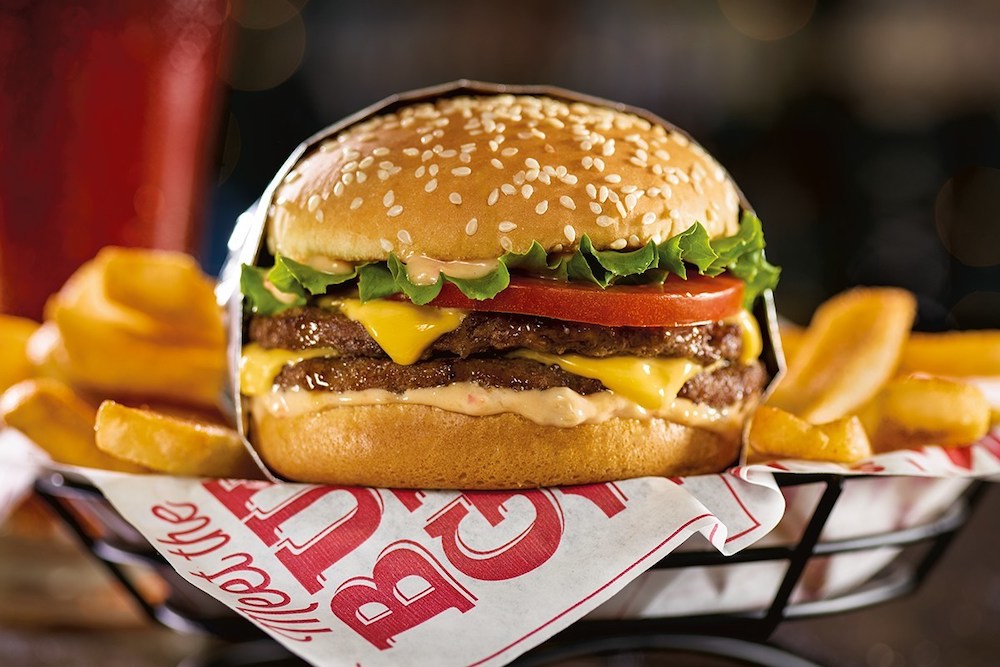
651,382
753,344
403,330
259,366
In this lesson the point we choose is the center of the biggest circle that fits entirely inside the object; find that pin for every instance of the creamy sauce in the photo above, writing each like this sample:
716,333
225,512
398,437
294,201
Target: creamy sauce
328,264
425,270
549,407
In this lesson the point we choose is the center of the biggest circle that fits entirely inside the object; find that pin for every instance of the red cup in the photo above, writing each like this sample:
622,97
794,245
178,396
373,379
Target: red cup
108,118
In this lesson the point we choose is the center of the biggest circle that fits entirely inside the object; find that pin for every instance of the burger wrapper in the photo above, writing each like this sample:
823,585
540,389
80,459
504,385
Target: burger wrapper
360,576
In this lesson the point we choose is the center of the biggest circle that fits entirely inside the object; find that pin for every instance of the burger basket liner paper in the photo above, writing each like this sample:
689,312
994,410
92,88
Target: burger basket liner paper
363,576
347,576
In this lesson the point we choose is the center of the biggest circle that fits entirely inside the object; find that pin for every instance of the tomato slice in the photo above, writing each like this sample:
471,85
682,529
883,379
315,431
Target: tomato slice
675,302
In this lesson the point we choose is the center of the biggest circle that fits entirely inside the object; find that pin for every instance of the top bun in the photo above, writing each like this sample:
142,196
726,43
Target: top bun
469,178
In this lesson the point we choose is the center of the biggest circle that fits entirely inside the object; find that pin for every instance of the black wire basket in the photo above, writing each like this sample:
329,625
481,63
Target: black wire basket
738,636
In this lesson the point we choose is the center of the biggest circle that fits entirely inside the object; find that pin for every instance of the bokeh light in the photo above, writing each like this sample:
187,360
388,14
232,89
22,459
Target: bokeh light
768,20
967,215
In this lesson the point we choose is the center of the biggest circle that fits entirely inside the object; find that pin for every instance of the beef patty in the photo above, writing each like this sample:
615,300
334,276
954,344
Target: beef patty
491,333
724,386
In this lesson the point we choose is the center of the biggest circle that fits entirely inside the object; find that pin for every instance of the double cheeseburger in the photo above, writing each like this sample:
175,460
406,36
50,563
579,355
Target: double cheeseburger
499,291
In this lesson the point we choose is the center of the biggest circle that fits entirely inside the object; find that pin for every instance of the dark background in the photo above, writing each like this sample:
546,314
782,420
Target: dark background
866,133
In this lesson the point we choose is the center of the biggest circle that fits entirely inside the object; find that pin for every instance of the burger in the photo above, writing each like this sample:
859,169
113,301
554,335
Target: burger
496,291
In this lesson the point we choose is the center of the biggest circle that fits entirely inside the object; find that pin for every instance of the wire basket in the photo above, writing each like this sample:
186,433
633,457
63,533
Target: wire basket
737,635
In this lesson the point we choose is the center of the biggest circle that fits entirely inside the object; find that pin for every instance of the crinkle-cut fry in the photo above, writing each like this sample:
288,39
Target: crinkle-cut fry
171,444
52,416
851,349
14,363
955,354
777,434
921,410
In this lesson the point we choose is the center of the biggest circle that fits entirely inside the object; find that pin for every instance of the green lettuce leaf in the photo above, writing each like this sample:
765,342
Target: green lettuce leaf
742,255
260,298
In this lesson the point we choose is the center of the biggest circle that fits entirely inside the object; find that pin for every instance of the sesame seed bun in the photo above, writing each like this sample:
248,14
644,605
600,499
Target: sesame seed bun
469,178
361,446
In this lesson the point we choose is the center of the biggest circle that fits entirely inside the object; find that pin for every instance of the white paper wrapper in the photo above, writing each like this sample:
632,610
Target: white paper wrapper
20,462
347,576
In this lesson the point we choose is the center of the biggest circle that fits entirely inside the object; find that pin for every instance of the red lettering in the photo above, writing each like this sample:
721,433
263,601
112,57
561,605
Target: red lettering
336,537
235,494
527,550
188,535
608,497
412,500
408,587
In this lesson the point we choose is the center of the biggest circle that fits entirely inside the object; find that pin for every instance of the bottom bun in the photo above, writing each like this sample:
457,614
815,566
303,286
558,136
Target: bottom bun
416,446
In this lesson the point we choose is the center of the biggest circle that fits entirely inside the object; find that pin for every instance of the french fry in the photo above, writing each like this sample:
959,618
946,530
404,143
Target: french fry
170,444
954,354
923,410
852,347
777,434
791,340
58,421
169,287
108,346
14,363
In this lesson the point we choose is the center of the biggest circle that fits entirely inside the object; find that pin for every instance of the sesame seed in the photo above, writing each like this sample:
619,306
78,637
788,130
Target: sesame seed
496,163
506,226
637,162
465,158
609,148
509,152
508,189
544,178
350,166
380,151
426,155
433,170
388,199
613,178
631,200
568,202
506,244
356,203
675,214
596,208
385,244
653,192
532,163
313,203
455,198
591,191
542,207
672,178
431,185
347,178
621,209
519,178
338,189
426,139
404,236
527,191
383,175
649,218
394,211
662,154
494,195
603,194
471,226
319,216
599,163
292,175
618,244
461,171
605,221
570,233
679,139
587,162
628,189
412,152
570,179
421,170
448,154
